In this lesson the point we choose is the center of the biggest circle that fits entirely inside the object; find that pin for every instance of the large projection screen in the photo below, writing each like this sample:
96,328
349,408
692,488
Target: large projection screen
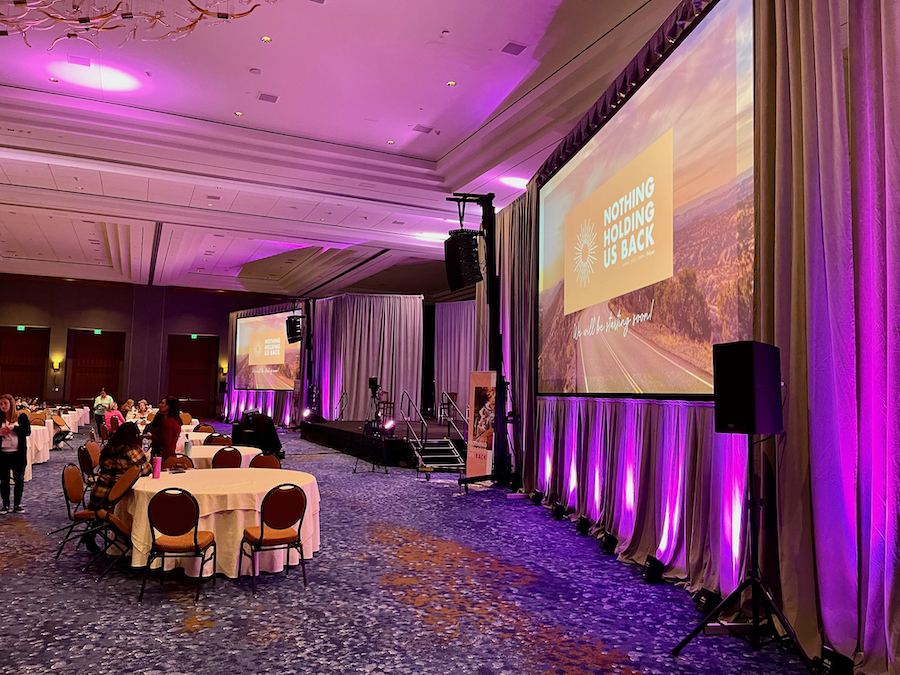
646,238
263,358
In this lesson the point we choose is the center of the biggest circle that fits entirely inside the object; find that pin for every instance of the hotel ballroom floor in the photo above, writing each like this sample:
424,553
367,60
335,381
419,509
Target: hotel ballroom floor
411,578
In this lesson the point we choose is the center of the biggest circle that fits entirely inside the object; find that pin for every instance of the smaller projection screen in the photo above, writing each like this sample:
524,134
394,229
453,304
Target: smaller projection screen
263,358
646,234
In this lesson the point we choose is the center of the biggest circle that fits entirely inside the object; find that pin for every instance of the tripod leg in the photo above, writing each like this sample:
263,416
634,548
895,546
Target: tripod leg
735,596
773,608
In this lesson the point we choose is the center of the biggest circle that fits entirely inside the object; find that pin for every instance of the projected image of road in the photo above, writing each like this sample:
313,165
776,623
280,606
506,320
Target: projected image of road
646,234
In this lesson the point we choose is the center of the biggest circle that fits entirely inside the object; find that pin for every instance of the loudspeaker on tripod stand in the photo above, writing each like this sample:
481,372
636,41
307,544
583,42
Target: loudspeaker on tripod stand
747,388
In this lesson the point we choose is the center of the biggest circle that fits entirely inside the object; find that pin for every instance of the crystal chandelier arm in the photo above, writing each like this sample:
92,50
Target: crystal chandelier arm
221,15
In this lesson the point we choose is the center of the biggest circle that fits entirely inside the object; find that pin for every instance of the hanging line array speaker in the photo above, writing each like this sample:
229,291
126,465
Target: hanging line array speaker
461,259
293,326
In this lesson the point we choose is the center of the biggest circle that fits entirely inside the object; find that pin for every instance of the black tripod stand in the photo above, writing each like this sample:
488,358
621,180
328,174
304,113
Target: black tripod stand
760,595
373,427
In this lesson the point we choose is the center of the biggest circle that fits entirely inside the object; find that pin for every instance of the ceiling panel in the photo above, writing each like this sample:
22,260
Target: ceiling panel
29,173
125,186
70,179
170,192
249,202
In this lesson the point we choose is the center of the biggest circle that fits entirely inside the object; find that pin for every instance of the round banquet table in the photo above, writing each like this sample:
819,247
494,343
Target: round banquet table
195,436
202,455
229,500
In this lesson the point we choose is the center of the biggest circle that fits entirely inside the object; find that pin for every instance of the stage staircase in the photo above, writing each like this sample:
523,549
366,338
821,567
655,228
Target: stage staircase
432,454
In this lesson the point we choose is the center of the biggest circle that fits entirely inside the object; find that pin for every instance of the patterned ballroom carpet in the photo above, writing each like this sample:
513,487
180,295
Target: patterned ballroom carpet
412,577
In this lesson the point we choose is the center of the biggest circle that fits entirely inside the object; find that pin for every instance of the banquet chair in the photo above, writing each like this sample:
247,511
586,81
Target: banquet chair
204,427
114,424
385,405
264,462
445,410
73,491
175,514
281,520
38,420
104,433
115,531
217,439
186,418
87,464
94,450
64,433
227,458
182,461
150,416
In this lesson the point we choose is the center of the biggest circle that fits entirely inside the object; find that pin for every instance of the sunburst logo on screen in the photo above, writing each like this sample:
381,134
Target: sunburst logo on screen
584,252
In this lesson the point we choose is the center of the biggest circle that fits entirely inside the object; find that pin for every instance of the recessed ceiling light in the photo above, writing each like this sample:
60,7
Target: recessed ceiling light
53,79
266,39
238,113
436,237
80,188
390,142
209,204
451,83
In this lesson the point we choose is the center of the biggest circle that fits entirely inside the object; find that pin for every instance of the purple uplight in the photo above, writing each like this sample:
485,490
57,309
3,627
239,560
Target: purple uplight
94,76
518,183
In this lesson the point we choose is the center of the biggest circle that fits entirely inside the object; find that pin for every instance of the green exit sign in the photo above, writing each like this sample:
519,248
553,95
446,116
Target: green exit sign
193,336
97,331
20,327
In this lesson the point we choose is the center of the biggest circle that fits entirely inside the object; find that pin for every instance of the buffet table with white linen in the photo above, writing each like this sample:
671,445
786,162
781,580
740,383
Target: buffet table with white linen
230,500
202,455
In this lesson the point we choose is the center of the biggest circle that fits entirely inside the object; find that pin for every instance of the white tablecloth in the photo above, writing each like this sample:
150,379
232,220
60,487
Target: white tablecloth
202,455
229,500
195,436
39,444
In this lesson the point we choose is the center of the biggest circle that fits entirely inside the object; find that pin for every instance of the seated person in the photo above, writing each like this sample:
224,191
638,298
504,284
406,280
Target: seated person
142,410
120,454
126,407
113,411
165,430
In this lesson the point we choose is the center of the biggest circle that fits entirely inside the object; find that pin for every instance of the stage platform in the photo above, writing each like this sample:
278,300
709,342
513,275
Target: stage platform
348,437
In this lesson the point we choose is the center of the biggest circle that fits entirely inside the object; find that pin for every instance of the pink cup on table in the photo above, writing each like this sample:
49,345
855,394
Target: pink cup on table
157,466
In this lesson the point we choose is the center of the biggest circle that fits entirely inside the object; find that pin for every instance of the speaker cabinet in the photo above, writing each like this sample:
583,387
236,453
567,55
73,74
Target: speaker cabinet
747,388
461,259
293,326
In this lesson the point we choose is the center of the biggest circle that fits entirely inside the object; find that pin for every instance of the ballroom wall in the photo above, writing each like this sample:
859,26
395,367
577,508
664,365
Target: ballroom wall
146,314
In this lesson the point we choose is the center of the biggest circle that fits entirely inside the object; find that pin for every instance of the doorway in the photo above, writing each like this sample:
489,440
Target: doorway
193,373
94,360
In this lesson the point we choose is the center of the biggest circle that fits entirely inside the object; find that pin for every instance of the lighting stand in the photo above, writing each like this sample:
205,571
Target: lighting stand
373,428
760,595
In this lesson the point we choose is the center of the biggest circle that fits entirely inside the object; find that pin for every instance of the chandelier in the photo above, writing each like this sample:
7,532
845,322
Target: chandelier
138,20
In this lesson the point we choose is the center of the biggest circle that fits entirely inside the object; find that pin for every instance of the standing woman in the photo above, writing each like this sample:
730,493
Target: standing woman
164,436
101,405
13,449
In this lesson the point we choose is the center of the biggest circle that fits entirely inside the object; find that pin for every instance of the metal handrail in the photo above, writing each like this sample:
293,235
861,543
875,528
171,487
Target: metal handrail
423,425
445,398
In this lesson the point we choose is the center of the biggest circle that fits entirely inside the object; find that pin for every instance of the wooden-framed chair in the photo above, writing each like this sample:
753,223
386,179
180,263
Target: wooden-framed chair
186,418
385,405
445,410
181,461
227,458
204,428
218,439
104,433
73,491
264,462
281,519
175,515
94,451
113,424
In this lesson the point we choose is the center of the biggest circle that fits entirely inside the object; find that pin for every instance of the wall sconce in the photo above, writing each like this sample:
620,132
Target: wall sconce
224,371
56,366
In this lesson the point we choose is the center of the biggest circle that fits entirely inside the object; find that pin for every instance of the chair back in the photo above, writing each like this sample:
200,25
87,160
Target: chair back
283,506
204,427
85,461
186,418
264,462
59,421
37,420
94,449
227,458
217,439
73,486
182,461
104,433
174,512
113,423
123,485
150,416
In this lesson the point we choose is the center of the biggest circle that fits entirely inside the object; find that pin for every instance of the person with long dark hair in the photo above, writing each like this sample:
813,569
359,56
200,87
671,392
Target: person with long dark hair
14,429
165,432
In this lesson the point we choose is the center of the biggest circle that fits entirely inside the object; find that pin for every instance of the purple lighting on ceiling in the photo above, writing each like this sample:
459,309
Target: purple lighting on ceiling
517,183
94,76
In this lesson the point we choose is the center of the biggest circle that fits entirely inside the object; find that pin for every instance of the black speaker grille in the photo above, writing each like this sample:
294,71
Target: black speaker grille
293,326
461,259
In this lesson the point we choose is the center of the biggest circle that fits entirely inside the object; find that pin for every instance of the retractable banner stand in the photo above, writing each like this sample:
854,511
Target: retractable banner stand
482,395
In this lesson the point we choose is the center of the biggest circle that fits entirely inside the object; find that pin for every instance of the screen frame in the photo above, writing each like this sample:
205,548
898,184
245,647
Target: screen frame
576,141
233,355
